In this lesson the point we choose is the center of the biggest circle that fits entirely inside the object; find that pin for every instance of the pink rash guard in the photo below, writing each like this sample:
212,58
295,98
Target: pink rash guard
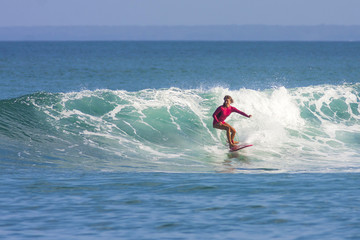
222,113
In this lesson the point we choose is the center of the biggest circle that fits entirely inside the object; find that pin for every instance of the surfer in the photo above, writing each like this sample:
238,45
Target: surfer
221,114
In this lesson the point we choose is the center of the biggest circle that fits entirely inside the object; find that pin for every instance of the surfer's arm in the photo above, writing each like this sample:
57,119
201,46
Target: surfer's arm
240,112
217,111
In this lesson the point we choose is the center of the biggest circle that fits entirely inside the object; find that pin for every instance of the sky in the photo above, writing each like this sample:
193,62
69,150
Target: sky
179,12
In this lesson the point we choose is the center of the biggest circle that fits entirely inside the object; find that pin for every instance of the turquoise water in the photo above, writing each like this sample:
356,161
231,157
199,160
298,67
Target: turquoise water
115,140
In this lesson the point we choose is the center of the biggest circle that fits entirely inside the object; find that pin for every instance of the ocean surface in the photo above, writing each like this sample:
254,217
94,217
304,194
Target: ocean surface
114,140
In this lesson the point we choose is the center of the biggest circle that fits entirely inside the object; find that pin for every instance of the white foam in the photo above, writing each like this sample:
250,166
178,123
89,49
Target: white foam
283,137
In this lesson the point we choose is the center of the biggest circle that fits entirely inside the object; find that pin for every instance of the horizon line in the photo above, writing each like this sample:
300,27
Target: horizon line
200,25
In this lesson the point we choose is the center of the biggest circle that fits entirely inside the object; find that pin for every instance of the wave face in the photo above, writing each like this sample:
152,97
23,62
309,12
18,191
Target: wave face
309,129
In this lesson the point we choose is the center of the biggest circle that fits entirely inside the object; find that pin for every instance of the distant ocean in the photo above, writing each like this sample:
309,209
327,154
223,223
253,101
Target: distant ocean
114,140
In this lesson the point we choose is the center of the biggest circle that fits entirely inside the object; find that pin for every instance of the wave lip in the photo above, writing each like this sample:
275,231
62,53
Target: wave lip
306,129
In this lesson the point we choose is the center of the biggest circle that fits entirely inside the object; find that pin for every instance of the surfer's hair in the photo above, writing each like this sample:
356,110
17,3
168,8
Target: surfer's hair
228,97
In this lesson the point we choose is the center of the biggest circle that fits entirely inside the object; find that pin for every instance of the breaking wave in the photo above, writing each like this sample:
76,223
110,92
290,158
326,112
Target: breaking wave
308,129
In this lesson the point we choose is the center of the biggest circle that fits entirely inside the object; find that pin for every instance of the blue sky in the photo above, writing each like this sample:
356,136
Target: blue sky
180,12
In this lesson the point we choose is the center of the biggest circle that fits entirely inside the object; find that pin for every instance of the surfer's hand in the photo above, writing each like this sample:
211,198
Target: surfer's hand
250,116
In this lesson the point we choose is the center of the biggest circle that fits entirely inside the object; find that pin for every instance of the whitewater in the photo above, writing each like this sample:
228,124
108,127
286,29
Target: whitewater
308,129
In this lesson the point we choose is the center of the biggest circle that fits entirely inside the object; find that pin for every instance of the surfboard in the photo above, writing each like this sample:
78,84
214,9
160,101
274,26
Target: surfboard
240,146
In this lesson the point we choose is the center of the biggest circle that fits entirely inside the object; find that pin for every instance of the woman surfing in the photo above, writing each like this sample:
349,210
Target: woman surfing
221,114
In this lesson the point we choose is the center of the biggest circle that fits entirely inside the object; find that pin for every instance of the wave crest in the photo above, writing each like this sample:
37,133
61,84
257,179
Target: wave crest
301,129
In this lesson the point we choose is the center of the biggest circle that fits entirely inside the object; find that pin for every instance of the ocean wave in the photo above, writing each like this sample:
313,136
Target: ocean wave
308,129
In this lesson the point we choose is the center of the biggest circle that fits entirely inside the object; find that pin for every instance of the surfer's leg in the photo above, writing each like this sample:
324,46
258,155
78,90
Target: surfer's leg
232,134
228,134
227,128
